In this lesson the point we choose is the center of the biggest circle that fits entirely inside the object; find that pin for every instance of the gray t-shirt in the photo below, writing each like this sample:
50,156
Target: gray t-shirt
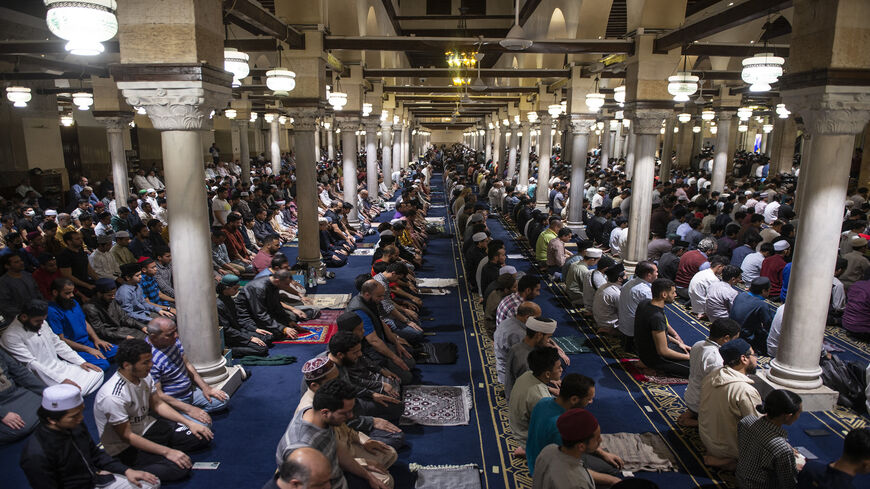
301,433
557,470
517,363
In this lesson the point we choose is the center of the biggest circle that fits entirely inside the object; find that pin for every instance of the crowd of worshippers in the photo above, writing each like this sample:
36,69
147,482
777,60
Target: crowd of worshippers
85,291
726,256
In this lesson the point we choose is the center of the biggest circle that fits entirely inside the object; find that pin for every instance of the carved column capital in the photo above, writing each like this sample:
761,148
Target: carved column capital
832,110
177,105
348,124
648,121
372,123
386,126
581,124
305,119
116,123
725,115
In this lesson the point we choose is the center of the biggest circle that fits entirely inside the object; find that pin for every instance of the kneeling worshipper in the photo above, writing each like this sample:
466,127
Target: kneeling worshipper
538,333
320,370
751,310
20,393
259,301
106,316
243,338
560,466
304,467
766,457
653,333
703,359
67,320
532,386
61,453
31,341
510,332
576,391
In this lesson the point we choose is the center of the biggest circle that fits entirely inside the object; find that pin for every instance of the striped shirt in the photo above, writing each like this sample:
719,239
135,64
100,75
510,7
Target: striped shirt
766,459
169,370
301,433
151,290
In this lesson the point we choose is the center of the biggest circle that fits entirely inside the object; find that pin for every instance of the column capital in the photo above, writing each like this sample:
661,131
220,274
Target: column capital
372,123
648,121
177,105
305,119
831,110
240,123
526,125
581,124
725,115
115,122
347,123
514,126
386,125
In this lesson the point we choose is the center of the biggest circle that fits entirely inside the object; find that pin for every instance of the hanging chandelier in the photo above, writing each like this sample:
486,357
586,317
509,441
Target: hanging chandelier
337,99
714,130
532,117
626,123
66,120
782,112
767,128
281,81
744,113
83,100
270,117
236,62
683,84
384,115
619,114
366,109
254,116
599,125
761,70
84,24
696,129
595,99
554,110
19,96
684,117
742,128
707,115
282,119
230,113
619,95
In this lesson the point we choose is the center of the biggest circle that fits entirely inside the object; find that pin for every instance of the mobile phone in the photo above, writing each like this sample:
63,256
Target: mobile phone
806,453
817,432
206,465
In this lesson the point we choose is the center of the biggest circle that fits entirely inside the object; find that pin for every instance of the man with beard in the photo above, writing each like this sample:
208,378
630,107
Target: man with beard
260,303
29,340
67,320
242,337
107,318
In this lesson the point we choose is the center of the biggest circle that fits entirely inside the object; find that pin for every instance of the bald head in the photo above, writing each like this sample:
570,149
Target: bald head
528,309
305,468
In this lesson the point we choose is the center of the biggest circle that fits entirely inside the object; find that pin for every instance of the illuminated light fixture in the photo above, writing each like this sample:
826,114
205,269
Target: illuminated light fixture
684,117
66,120
84,24
491,126
83,100
554,110
599,125
132,123
230,113
744,113
767,128
742,128
516,37
19,96
211,114
141,110
662,130
595,101
696,129
761,70
619,114
395,119
236,62
619,94
459,81
281,81
676,129
564,105
782,112
714,130
682,85
254,116
270,117
384,115
614,124
532,117
505,122
366,109
326,125
337,98
707,115
626,123
598,132
481,132
282,119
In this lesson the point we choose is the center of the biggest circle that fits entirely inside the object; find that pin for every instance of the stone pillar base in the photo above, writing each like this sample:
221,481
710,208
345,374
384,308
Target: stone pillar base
821,398
577,228
233,381
629,267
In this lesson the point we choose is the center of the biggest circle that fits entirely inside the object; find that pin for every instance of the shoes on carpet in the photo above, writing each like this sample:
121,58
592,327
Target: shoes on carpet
321,281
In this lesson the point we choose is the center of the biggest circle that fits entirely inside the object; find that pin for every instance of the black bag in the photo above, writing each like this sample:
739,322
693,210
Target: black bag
847,379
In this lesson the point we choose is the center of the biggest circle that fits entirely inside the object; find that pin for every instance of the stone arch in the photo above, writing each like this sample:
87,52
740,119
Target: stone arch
372,28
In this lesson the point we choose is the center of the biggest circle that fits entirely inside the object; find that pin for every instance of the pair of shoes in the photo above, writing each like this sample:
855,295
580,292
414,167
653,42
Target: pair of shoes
321,281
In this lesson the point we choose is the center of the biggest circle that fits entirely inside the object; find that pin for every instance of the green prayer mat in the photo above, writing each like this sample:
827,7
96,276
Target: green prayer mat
572,345
273,360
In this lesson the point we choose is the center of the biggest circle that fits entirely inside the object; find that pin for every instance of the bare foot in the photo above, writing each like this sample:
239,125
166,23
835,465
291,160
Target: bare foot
687,420
520,452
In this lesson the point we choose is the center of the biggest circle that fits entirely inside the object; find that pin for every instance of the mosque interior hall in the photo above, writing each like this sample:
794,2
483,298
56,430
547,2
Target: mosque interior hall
427,244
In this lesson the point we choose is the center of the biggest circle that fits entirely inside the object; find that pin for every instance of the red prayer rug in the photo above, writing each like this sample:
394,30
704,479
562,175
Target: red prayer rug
320,330
646,374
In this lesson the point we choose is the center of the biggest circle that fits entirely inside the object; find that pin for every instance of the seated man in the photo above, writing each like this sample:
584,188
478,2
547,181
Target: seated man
538,333
131,298
373,396
605,303
703,359
315,427
243,338
545,367
333,252
635,291
727,396
304,467
177,382
259,302
128,431
652,333
67,320
48,459
107,318
20,393
150,287
578,273
30,340
721,294
702,281
504,285
576,391
753,314
512,331
402,320
840,473
561,465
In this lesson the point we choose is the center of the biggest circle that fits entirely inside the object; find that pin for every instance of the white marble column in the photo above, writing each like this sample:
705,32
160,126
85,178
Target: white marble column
667,149
244,152
579,148
349,127
512,152
497,148
115,127
523,180
275,146
834,116
630,149
386,153
397,148
330,146
604,155
305,124
617,140
647,124
488,145
317,143
181,113
406,145
371,126
542,190
720,158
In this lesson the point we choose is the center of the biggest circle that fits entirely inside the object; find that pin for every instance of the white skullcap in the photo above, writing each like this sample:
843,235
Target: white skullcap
50,212
781,245
280,202
602,189
543,325
478,237
748,192
507,269
61,397
395,221
593,253
387,232
149,190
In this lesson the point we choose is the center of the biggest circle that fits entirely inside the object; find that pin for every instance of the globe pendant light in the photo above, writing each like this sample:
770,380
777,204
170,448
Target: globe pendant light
516,37
619,114
282,119
767,128
682,84
532,116
236,62
782,112
66,120
696,129
619,95
337,99
626,123
714,130
83,23
684,117
761,70
742,128
19,96
83,100
554,110
744,113
599,125
707,115
254,116
367,109
230,113
270,117
281,81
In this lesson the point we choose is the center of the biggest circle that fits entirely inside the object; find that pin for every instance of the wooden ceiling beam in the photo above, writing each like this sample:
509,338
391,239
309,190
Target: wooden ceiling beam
491,45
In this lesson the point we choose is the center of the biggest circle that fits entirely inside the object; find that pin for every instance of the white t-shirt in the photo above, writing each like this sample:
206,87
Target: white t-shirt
221,209
119,401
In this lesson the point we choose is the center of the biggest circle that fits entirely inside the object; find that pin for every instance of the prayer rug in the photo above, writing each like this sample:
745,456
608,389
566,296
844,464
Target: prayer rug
433,291
647,452
441,476
329,301
366,245
572,345
516,256
320,330
363,252
646,374
437,282
437,405
437,353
